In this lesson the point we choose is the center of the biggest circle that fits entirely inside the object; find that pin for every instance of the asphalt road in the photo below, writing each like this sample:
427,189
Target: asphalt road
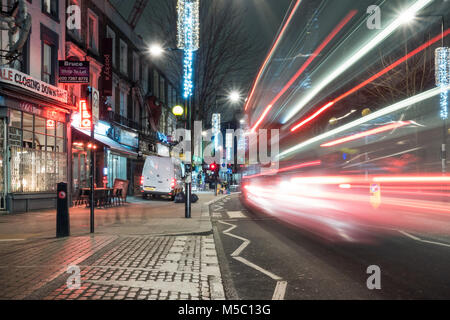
263,258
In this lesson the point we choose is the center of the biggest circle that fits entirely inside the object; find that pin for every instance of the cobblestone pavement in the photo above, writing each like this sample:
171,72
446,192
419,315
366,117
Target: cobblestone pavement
112,267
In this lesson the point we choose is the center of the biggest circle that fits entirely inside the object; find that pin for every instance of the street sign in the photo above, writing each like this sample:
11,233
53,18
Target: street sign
107,67
73,71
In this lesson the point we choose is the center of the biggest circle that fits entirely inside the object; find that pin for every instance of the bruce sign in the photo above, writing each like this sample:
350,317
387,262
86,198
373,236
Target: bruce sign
73,71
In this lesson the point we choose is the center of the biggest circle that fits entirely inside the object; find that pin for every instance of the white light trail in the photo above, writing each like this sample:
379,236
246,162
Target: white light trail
387,110
411,11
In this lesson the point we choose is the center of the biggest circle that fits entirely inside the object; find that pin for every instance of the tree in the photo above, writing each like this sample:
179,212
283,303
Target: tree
225,56
413,76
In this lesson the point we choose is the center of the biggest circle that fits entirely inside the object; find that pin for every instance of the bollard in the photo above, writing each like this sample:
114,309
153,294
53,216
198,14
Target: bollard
62,211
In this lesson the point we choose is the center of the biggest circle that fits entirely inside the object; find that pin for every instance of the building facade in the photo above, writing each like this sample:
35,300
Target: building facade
41,140
34,112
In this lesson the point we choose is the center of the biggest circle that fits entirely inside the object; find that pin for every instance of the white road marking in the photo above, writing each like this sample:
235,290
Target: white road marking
256,267
421,240
280,288
235,214
5,240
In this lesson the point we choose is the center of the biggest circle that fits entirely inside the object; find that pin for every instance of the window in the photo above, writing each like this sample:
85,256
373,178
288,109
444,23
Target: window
110,34
38,158
22,63
47,63
49,54
136,66
162,88
50,7
123,57
92,31
156,83
145,79
123,104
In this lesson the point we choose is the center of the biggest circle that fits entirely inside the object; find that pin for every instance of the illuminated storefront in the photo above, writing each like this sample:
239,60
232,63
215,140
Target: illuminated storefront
33,141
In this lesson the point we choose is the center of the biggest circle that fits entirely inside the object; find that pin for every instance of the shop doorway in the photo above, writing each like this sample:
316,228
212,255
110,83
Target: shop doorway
80,171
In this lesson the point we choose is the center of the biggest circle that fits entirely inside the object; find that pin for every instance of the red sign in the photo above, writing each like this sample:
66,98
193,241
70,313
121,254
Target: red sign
62,195
86,119
50,124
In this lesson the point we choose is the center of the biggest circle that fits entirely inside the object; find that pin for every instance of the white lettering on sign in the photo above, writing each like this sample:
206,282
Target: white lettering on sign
24,81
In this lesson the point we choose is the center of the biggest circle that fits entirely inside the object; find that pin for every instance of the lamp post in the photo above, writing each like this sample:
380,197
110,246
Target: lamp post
442,75
188,41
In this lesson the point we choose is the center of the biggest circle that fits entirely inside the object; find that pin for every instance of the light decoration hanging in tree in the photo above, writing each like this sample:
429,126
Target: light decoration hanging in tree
442,69
188,39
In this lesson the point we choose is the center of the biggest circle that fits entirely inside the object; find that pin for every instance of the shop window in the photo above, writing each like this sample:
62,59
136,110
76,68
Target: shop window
38,162
40,124
15,119
2,138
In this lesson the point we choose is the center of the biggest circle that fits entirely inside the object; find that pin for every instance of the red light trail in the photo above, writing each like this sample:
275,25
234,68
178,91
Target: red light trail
296,166
305,65
372,78
275,44
367,133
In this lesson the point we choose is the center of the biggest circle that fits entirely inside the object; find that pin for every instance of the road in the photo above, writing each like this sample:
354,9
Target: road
263,258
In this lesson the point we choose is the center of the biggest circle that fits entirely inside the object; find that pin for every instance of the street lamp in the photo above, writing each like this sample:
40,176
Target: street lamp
234,96
178,110
156,50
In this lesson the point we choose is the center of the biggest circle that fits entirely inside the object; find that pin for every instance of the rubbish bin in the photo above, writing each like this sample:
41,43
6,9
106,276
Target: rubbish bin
62,211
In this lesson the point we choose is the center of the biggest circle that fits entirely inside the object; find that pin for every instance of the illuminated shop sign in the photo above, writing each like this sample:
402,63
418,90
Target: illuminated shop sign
51,124
86,120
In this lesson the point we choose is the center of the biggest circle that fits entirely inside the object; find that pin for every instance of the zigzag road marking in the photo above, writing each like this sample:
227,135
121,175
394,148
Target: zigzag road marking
280,288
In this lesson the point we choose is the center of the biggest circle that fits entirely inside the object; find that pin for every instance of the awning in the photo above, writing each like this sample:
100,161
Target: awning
113,145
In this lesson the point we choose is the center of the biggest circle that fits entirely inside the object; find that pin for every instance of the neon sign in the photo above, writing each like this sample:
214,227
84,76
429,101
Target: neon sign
50,124
86,119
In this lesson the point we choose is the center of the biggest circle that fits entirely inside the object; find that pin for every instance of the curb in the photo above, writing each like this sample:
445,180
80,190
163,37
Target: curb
216,284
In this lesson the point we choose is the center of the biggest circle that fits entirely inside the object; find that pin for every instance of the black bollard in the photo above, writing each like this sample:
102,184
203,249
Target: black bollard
62,211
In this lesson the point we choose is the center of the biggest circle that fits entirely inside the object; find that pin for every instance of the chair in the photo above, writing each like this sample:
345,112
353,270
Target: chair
82,198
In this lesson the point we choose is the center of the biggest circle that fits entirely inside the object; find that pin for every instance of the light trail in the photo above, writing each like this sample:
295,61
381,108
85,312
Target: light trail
316,52
369,80
367,133
274,46
387,110
382,35
296,166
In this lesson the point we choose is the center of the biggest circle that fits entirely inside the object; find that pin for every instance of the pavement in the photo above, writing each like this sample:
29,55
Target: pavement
144,249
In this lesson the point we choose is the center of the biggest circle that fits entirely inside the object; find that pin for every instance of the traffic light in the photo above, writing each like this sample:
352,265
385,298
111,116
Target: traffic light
212,166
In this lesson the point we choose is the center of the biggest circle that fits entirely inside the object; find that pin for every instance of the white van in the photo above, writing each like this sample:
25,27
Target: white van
161,176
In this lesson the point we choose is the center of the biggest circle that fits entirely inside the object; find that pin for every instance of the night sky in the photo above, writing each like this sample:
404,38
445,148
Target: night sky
262,21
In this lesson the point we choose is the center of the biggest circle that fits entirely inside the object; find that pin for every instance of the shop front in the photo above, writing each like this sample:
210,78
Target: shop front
113,160
33,141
